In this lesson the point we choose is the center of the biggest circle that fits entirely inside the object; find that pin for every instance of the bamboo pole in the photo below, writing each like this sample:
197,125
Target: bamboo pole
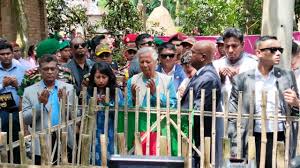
280,155
82,123
58,139
287,142
10,129
225,114
185,152
148,123
213,128
191,106
94,145
121,144
158,121
116,121
64,154
168,125
251,151
263,130
226,152
179,128
74,115
164,146
3,141
239,126
22,140
42,116
138,144
103,143
49,133
33,135
251,120
275,127
126,120
85,157
45,158
94,129
106,112
22,148
137,136
202,158
207,152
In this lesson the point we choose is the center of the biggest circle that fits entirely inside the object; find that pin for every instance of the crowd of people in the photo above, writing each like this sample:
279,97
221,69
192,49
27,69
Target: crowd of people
175,66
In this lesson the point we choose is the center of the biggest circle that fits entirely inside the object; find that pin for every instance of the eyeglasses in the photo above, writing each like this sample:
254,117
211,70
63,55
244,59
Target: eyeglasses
76,46
105,54
164,56
149,43
273,49
131,52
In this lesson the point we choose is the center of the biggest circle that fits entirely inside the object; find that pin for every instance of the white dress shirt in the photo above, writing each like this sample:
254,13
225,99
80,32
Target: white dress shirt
267,84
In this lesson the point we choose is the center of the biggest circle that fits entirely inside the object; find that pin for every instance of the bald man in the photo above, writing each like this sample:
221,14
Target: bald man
79,64
206,78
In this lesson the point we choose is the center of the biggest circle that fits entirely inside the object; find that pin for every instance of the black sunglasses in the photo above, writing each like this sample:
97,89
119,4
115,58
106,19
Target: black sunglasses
164,56
273,49
105,54
76,46
150,43
131,52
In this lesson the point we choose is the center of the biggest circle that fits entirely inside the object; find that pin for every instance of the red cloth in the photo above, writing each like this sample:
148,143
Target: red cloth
152,148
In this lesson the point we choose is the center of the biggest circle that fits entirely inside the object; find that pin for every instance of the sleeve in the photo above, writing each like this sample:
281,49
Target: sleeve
27,106
129,94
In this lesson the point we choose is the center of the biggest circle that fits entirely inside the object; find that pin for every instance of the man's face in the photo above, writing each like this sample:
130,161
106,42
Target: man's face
233,48
129,54
79,47
17,52
221,49
147,64
104,57
197,58
269,52
147,42
65,53
167,58
6,57
49,71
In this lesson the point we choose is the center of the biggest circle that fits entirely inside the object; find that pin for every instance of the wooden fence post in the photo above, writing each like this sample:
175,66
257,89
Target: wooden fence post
3,141
45,157
239,126
202,158
274,154
263,130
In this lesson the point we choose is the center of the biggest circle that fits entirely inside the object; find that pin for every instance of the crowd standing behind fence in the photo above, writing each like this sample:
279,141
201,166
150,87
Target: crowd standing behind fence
84,127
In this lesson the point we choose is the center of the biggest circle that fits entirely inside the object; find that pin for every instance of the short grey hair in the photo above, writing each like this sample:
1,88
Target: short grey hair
145,50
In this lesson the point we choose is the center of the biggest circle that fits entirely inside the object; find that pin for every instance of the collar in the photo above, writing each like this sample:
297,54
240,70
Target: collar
171,72
259,75
44,86
199,70
13,66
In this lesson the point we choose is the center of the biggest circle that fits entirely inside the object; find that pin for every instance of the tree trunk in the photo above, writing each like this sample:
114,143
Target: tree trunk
22,24
278,21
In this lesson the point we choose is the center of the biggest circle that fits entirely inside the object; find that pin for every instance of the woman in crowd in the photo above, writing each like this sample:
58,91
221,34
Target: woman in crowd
102,77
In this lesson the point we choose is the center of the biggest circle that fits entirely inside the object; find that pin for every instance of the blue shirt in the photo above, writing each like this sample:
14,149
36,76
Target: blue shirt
14,71
54,101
